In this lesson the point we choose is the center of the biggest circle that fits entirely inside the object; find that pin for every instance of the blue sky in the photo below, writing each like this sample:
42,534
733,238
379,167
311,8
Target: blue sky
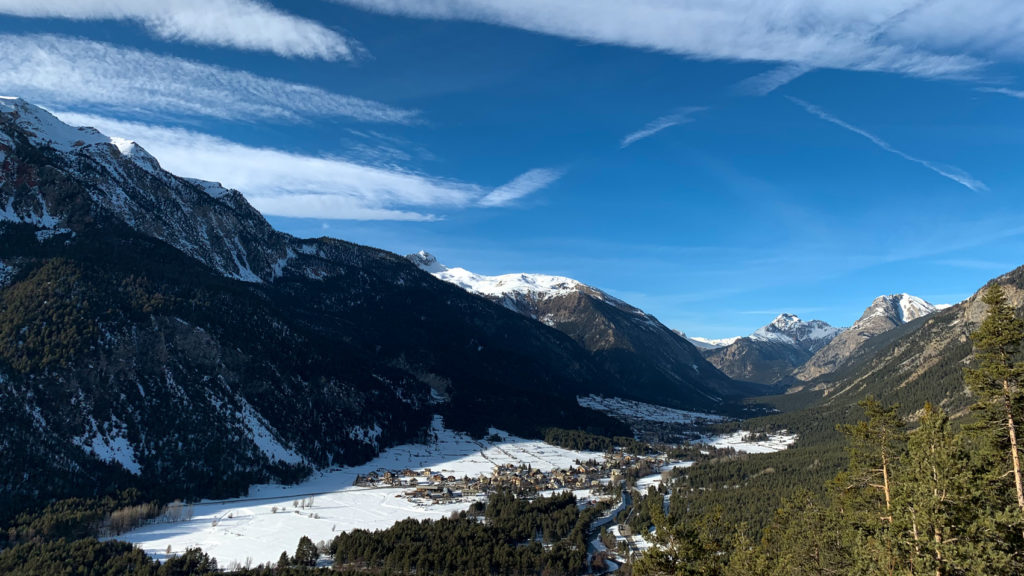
715,163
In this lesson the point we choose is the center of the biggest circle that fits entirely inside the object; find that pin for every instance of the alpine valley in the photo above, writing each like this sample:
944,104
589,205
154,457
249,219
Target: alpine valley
163,348
156,331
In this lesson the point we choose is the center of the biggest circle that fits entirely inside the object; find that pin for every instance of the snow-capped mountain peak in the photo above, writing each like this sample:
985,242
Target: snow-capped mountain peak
785,322
532,285
790,329
43,128
427,262
899,308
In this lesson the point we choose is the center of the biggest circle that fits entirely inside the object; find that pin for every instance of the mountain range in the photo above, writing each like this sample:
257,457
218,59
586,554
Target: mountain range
919,357
789,351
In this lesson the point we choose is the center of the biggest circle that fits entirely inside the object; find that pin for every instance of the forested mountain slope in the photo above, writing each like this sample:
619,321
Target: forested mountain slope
156,331
917,362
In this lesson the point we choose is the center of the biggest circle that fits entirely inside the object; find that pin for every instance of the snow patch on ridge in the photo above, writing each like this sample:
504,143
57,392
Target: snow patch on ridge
214,189
712,342
110,444
42,220
45,129
6,272
263,435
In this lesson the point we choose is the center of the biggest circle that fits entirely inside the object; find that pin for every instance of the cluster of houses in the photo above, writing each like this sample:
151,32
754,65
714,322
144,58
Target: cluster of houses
428,486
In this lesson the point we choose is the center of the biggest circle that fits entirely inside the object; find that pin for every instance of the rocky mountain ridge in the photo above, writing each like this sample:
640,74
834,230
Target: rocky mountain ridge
885,313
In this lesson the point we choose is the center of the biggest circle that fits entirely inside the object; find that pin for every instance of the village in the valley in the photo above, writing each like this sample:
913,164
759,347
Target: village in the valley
429,486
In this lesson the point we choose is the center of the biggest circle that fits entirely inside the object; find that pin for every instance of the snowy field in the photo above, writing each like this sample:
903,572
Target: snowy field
633,410
774,443
249,530
642,484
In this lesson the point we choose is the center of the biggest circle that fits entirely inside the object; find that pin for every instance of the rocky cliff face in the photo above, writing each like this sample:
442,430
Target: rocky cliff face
884,314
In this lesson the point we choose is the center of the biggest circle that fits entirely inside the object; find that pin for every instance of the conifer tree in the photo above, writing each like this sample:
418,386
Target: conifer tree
306,553
806,537
933,502
996,380
865,489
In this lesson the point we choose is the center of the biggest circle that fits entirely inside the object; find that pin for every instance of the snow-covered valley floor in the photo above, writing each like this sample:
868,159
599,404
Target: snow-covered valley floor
736,440
249,530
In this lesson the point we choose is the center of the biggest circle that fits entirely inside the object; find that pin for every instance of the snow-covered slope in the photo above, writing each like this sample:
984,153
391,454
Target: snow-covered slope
505,285
885,313
709,343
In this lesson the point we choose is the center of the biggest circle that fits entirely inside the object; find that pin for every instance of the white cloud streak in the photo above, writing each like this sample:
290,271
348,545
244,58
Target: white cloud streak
1018,94
283,183
943,38
522,186
71,72
241,24
954,174
653,127
767,82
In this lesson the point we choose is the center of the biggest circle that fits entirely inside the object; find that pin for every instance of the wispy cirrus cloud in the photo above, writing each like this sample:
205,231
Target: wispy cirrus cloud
241,24
284,183
521,186
72,72
954,174
942,38
1018,94
975,264
683,116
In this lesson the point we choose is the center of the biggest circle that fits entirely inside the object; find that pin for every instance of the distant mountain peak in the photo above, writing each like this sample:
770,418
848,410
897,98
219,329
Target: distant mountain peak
790,329
773,350
786,321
